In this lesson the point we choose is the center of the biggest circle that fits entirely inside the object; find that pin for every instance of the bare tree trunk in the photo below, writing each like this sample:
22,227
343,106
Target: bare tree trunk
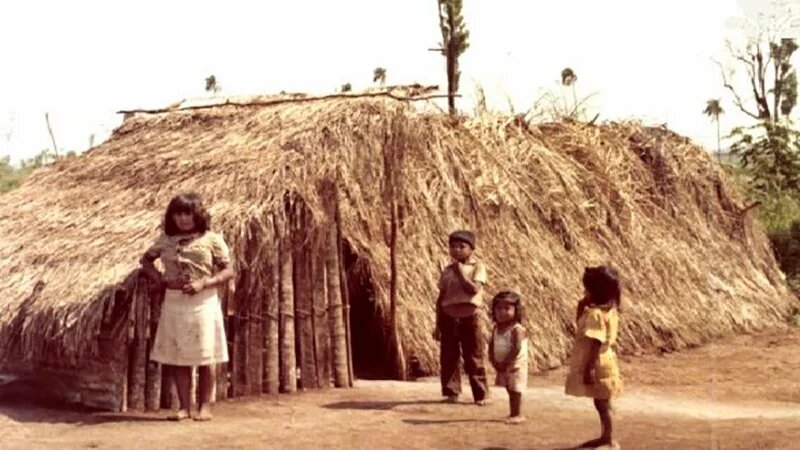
719,145
287,336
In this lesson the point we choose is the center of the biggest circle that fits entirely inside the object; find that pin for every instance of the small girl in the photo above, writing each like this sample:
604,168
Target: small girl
594,370
508,350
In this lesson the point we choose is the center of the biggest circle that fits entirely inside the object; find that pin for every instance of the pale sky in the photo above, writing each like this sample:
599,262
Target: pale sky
83,60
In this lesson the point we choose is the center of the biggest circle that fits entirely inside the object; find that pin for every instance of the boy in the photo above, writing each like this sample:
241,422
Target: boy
457,320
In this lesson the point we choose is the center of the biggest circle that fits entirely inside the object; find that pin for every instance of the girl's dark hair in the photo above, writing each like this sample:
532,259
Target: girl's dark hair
512,298
187,203
603,285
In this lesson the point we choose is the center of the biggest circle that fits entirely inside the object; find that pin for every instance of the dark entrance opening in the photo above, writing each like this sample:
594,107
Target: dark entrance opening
369,336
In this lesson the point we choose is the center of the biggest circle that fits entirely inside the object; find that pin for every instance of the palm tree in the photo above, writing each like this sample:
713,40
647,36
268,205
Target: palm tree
379,76
714,110
568,79
211,84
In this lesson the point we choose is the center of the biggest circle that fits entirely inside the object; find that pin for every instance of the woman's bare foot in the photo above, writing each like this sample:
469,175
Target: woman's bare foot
204,413
181,414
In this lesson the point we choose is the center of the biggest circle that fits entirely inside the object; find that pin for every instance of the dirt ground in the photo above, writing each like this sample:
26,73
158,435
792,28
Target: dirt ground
741,394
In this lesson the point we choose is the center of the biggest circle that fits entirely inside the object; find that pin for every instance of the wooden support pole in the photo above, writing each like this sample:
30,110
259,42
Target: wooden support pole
303,302
271,322
223,388
137,351
287,334
336,311
255,337
239,358
345,293
320,316
152,401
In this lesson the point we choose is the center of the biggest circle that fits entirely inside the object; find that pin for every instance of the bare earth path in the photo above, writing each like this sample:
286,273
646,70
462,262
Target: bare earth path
738,394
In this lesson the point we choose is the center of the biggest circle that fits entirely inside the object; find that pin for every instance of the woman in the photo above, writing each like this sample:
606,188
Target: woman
190,330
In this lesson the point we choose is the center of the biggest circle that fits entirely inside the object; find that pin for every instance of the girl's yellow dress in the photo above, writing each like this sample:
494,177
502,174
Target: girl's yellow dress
600,324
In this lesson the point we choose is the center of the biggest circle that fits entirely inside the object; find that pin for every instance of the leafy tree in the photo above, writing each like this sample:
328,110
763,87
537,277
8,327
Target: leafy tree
379,76
768,149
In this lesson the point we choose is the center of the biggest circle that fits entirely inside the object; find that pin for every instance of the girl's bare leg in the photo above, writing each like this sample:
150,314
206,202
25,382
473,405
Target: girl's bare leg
515,403
207,381
181,375
604,411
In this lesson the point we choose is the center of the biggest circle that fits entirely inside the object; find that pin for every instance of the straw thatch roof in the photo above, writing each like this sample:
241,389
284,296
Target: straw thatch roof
545,201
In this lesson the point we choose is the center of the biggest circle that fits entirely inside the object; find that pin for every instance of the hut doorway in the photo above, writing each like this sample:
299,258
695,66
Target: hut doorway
369,337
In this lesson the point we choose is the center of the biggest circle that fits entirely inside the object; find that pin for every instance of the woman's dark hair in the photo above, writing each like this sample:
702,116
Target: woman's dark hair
603,285
511,298
187,203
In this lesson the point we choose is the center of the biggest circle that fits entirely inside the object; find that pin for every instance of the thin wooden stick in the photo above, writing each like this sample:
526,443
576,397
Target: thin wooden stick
289,100
52,137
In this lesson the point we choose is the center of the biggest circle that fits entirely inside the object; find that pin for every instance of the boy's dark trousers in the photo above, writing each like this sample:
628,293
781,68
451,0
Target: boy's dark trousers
462,337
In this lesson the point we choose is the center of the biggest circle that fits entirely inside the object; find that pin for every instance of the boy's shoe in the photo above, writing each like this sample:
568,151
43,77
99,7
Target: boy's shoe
483,402
516,420
451,399
204,414
179,415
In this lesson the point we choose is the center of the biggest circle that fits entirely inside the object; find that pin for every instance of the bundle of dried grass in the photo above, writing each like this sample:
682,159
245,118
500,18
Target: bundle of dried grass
544,200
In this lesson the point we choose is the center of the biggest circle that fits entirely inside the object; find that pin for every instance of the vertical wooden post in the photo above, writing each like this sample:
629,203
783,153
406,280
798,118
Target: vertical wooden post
345,292
322,337
153,373
303,302
287,334
393,166
223,388
397,347
271,322
336,313
137,356
255,301
239,358
230,309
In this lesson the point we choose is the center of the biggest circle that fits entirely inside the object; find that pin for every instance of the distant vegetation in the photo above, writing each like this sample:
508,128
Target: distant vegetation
764,158
11,176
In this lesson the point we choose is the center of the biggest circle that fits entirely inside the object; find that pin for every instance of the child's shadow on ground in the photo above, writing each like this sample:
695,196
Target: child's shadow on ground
379,406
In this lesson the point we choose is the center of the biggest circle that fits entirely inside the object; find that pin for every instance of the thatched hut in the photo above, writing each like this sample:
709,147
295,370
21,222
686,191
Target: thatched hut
312,195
